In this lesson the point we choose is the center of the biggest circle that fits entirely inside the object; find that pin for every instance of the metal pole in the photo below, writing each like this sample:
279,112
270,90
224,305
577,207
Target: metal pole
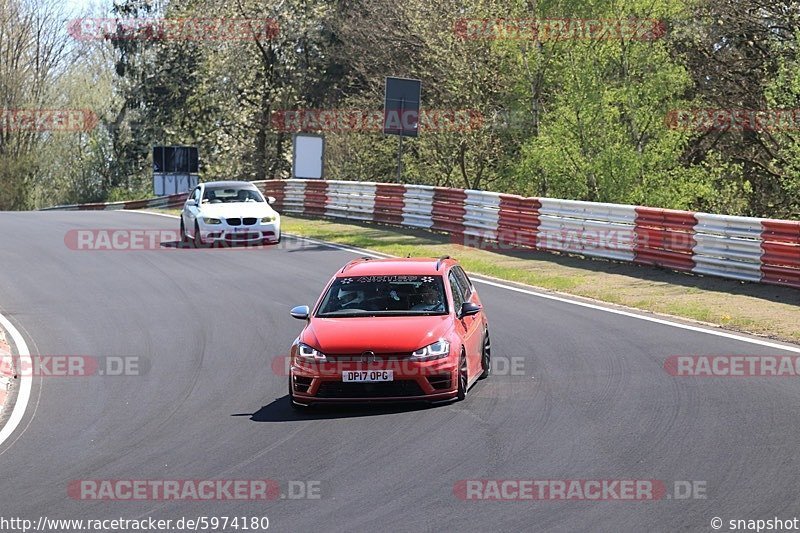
400,158
400,146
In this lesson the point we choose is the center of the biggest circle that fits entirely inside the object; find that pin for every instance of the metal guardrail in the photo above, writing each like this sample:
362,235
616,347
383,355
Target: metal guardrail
742,248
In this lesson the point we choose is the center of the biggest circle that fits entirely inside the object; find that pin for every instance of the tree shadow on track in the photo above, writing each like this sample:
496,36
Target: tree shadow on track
280,411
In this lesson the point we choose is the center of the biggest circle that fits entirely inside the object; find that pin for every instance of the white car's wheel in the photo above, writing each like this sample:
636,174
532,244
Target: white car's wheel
184,238
198,241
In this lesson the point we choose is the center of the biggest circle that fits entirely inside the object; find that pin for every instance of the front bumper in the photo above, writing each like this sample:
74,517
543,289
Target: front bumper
244,234
427,381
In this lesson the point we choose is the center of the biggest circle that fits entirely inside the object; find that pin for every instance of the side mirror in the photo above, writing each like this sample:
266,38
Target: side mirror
300,312
271,200
191,201
469,308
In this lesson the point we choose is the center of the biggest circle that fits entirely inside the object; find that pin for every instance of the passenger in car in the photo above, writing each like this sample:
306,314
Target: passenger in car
430,300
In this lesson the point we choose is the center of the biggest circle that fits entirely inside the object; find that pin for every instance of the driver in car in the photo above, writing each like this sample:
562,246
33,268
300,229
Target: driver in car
430,300
350,298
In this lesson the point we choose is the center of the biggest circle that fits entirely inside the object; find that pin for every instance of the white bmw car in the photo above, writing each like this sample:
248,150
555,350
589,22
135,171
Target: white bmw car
229,212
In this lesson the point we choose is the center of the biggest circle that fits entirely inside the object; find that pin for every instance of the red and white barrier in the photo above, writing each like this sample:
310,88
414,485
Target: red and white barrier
518,220
780,242
482,214
602,230
727,246
665,237
389,203
743,248
418,206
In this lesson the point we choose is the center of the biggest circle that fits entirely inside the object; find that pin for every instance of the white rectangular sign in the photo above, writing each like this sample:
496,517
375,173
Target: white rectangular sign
308,156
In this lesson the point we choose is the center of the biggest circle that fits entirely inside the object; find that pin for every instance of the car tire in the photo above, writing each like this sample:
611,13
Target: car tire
197,241
184,238
463,377
486,356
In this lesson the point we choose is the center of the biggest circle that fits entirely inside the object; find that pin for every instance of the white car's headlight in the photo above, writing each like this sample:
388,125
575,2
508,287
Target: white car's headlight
209,220
438,350
304,351
268,220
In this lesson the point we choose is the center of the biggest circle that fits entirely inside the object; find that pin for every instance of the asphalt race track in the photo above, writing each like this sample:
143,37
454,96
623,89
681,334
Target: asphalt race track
591,401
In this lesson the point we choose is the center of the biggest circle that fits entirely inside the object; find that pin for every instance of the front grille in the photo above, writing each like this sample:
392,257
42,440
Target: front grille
249,221
340,389
245,236
233,221
358,358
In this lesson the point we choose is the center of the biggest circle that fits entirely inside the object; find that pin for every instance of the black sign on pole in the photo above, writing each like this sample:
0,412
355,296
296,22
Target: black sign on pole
401,107
175,169
175,159
401,113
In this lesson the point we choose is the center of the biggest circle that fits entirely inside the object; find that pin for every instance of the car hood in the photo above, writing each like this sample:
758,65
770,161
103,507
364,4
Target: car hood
239,209
382,334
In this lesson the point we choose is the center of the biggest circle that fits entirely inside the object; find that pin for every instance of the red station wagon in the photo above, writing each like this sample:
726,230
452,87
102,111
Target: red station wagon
391,330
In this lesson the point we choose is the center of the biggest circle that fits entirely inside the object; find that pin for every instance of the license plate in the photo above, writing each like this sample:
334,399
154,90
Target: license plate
240,229
368,376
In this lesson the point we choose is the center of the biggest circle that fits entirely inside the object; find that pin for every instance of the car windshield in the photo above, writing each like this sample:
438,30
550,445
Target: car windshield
384,295
218,195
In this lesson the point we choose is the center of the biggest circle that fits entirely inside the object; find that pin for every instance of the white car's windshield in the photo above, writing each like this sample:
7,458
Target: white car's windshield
384,295
217,195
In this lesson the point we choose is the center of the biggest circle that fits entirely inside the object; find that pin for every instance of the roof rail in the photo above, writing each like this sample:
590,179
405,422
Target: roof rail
440,260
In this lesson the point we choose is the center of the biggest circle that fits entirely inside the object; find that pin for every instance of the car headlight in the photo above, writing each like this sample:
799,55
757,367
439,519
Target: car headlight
438,350
268,220
304,351
208,220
